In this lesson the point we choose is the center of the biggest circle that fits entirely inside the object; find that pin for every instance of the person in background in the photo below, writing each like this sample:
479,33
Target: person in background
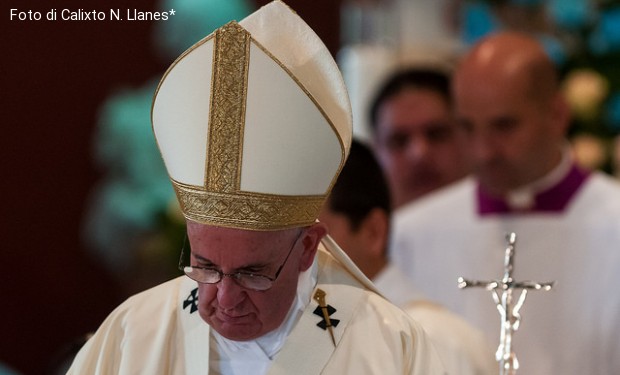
414,135
525,181
254,124
357,214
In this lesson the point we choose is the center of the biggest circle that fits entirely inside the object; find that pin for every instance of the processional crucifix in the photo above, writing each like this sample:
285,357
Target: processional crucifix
502,293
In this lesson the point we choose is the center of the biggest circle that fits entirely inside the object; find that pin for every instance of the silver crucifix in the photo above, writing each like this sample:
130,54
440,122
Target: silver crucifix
502,293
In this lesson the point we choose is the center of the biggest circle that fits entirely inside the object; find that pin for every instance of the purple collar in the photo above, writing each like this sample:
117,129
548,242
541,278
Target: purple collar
552,200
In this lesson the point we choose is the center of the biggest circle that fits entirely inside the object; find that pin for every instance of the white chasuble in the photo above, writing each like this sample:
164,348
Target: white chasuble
159,331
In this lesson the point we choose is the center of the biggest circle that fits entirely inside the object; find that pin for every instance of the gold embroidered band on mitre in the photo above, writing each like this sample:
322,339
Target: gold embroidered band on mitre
247,210
228,97
220,202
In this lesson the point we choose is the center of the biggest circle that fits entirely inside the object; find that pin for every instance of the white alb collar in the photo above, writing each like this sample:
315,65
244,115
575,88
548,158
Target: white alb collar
232,354
523,197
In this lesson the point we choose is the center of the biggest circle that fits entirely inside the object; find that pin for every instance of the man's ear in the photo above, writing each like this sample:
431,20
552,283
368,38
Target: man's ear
310,241
375,230
561,115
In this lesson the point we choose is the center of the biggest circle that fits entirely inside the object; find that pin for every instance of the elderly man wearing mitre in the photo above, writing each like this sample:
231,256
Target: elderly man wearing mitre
254,125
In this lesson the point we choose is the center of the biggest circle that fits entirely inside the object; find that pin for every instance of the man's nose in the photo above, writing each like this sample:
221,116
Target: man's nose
483,148
229,293
417,148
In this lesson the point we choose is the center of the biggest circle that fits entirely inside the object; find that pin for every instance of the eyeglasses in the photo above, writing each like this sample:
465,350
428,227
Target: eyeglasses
245,279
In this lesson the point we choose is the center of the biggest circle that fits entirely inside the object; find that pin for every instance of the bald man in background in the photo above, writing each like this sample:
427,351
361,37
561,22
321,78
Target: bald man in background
525,181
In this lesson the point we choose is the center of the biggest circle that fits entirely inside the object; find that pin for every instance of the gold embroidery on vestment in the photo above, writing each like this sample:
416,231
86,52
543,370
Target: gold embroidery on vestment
228,97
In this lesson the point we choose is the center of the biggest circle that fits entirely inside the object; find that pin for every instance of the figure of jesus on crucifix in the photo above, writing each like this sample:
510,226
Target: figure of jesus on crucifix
504,292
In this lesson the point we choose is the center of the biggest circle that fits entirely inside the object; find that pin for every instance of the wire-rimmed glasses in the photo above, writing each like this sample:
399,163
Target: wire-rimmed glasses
208,275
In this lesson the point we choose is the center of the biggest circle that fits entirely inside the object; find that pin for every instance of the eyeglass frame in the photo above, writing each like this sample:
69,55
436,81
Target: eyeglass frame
236,276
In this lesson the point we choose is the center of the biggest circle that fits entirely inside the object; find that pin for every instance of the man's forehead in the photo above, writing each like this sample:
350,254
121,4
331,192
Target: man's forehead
417,128
416,97
218,233
237,248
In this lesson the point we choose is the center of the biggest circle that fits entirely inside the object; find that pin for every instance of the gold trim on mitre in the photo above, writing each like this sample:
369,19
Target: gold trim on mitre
247,210
220,202
228,94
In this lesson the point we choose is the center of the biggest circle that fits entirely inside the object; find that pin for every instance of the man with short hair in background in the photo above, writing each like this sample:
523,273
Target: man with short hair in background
414,136
358,217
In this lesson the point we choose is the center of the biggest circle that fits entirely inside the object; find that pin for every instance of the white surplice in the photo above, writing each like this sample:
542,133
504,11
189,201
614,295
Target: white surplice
572,329
462,348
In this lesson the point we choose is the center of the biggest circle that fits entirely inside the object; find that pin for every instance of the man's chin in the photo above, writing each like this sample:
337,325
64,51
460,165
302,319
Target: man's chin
497,183
237,333
420,190
242,328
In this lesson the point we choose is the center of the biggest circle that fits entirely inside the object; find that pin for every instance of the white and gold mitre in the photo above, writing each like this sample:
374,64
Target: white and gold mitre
254,123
